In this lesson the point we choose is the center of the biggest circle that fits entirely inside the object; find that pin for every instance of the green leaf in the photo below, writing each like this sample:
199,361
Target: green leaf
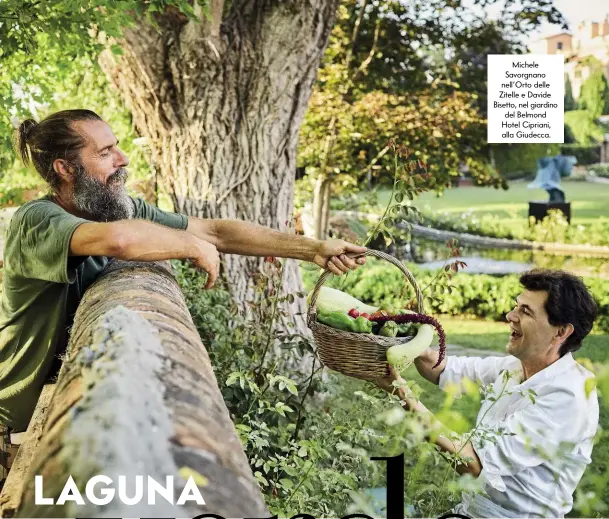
286,483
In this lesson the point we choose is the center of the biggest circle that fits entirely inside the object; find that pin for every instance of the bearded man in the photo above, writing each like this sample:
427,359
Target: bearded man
57,246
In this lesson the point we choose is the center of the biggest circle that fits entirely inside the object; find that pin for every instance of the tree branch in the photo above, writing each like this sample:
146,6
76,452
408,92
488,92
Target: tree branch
358,22
368,60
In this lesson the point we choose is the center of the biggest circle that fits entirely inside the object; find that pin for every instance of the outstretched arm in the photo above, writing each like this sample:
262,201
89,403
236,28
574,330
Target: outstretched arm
437,432
249,239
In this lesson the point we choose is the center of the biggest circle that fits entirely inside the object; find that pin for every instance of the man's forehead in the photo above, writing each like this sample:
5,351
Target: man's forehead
97,134
534,299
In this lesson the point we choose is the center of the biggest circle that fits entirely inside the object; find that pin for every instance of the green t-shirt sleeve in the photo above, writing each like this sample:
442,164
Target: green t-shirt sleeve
146,211
38,242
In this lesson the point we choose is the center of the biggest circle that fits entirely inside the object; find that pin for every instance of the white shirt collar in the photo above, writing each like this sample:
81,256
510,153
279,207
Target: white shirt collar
563,364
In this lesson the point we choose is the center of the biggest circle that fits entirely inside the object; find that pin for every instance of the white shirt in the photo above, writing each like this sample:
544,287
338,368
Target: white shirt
534,471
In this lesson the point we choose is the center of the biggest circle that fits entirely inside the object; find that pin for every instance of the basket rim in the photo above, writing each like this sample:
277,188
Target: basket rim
312,310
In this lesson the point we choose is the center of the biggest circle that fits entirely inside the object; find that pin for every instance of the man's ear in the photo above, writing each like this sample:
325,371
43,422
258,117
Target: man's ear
563,332
64,170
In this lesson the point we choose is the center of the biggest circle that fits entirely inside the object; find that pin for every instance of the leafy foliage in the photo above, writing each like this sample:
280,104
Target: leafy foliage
413,72
570,103
44,44
594,95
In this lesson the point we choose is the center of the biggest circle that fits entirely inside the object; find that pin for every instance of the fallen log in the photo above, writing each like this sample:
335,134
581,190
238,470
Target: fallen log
137,396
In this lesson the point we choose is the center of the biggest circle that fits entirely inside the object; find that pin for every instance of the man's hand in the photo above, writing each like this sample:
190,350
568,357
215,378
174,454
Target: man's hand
206,258
333,255
386,383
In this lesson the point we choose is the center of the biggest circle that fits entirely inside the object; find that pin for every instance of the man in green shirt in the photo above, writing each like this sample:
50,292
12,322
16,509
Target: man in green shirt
57,246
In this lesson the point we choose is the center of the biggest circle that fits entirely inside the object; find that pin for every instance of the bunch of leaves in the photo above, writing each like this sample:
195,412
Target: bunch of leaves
272,396
43,43
84,85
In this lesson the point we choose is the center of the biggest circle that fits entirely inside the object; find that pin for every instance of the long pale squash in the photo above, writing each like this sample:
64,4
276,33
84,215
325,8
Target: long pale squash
332,300
403,355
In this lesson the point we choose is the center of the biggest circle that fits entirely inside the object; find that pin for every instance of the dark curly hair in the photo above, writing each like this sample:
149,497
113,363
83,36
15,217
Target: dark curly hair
569,301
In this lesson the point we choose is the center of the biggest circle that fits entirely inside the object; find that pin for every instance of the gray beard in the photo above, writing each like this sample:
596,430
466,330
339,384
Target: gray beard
102,202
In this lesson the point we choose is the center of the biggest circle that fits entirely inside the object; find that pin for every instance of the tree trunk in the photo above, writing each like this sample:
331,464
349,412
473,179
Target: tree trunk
137,396
221,102
325,208
321,205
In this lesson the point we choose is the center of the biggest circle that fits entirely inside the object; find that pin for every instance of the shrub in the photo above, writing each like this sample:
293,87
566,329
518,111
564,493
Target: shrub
585,154
520,160
600,170
553,228
584,127
308,440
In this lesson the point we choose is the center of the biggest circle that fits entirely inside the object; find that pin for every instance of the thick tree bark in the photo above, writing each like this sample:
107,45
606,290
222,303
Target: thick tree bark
137,396
221,103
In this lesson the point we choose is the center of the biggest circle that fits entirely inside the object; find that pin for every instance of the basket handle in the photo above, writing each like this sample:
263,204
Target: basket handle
370,252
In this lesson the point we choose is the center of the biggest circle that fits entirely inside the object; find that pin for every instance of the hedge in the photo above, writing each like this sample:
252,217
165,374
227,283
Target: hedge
585,154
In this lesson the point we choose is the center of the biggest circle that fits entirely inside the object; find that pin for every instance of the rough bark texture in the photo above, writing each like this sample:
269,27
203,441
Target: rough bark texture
221,103
12,491
137,396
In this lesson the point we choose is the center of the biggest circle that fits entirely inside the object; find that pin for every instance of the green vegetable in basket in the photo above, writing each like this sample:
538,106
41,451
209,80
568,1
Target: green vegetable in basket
389,329
332,300
342,321
364,325
407,330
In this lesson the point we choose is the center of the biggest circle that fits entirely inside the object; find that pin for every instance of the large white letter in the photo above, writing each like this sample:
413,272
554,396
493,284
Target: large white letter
39,499
70,493
107,493
122,490
191,493
165,491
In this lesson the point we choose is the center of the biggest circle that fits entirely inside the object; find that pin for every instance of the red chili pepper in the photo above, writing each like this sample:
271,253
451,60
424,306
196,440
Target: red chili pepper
364,314
354,312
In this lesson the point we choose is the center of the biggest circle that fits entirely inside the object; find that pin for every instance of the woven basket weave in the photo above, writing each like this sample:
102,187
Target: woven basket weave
358,355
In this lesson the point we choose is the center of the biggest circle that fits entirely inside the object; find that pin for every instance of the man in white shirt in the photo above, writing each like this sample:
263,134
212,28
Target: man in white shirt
539,416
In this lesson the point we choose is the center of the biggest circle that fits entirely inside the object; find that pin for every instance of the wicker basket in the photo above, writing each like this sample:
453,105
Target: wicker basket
359,355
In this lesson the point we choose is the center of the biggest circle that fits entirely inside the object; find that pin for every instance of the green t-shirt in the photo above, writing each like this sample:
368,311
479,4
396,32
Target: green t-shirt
42,287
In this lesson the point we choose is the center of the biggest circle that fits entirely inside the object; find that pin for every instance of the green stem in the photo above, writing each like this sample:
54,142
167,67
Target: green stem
380,222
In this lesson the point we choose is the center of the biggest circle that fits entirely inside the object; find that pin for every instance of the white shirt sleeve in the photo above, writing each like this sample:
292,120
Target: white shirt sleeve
530,436
482,370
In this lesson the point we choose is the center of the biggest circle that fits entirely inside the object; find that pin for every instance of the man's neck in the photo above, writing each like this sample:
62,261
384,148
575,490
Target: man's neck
64,201
531,367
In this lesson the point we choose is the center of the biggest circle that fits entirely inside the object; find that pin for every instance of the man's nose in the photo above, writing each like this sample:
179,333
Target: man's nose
123,159
511,316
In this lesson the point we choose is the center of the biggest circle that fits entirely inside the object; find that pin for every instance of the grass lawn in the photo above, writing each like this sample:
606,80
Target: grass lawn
489,335
588,201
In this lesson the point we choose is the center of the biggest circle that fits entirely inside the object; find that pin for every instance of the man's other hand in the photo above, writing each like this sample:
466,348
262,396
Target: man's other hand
334,256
